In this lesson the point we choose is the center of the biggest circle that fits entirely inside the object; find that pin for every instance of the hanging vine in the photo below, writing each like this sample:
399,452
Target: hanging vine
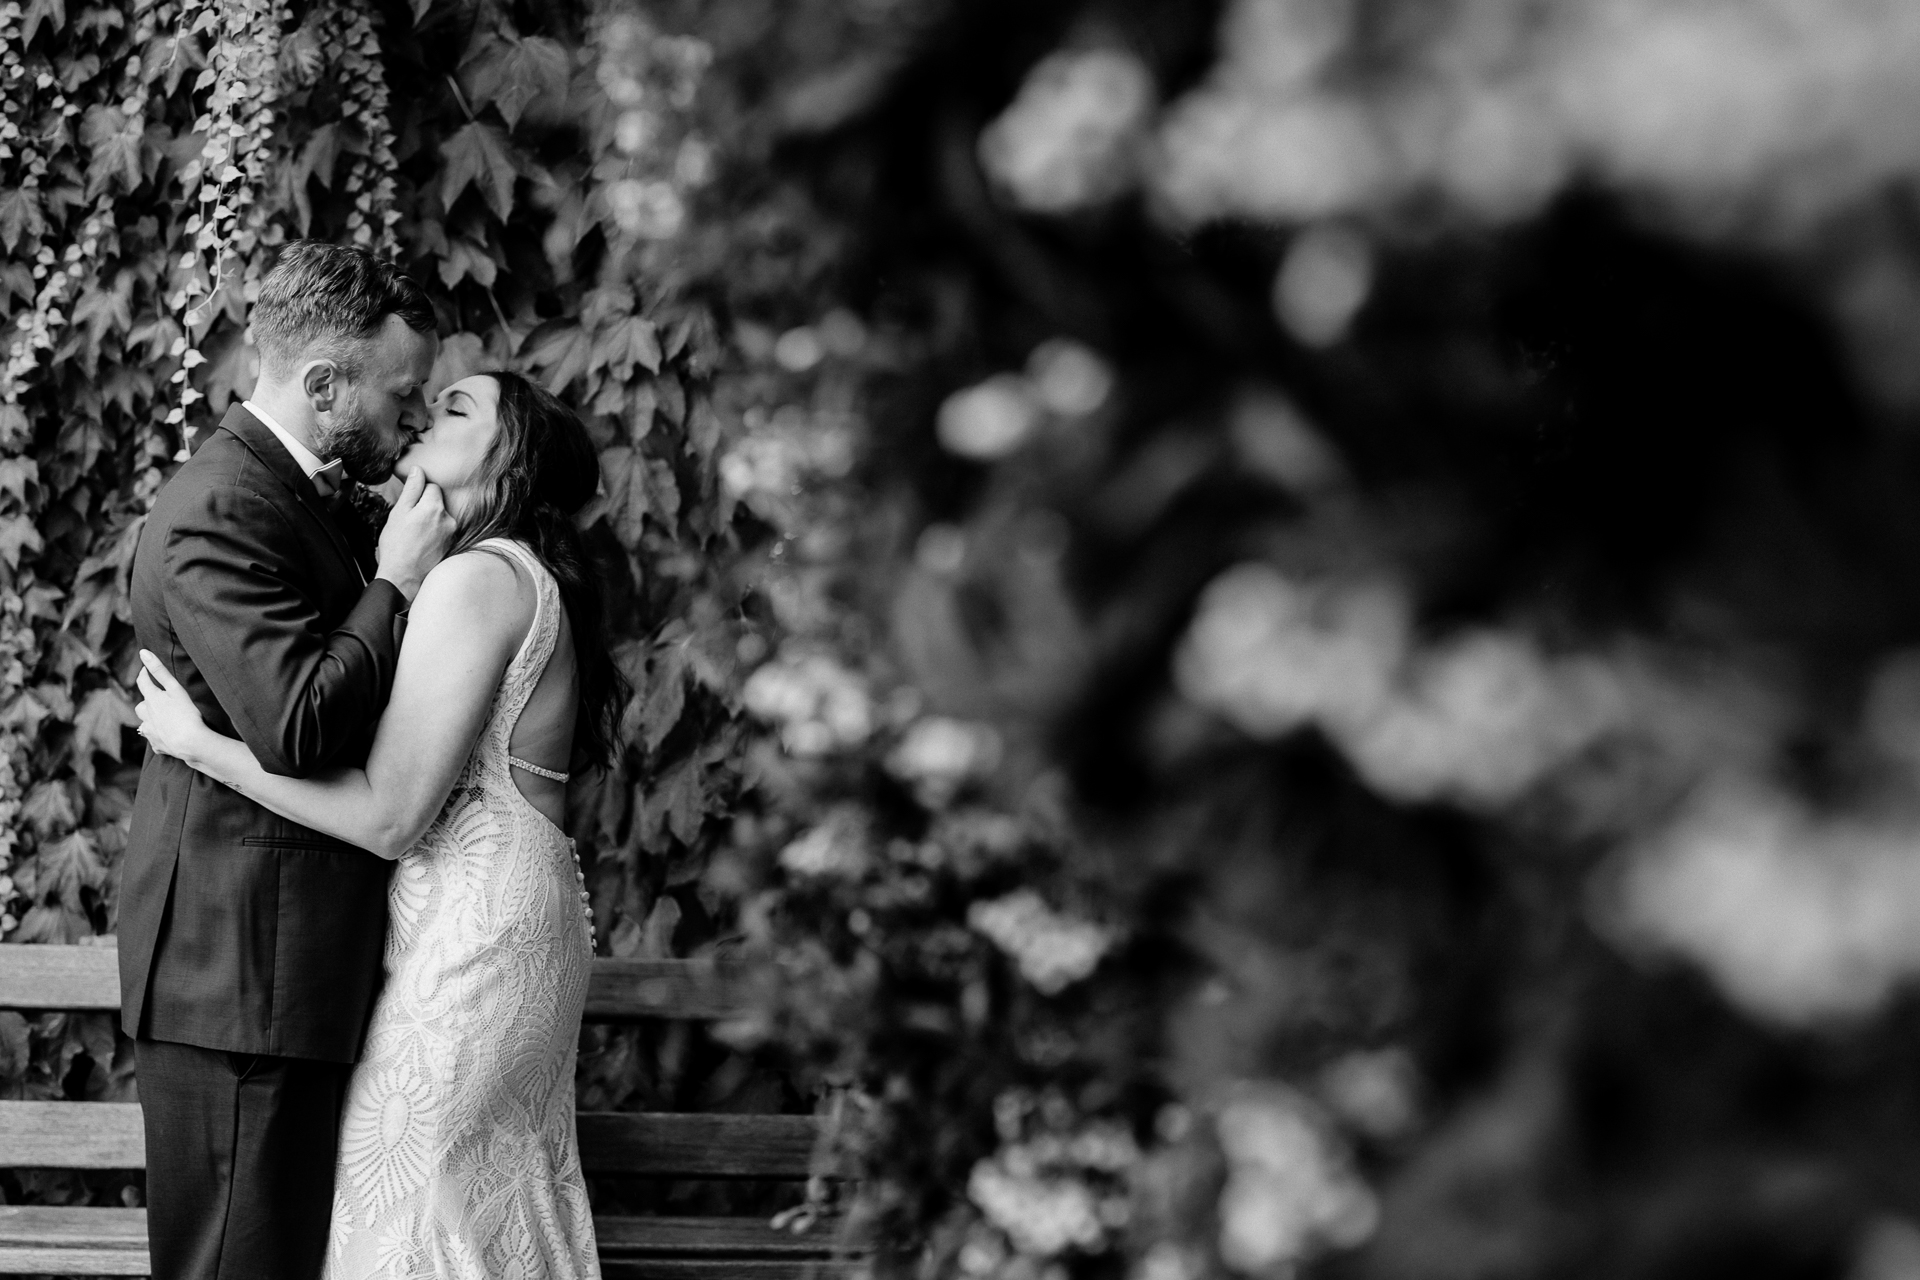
369,181
230,223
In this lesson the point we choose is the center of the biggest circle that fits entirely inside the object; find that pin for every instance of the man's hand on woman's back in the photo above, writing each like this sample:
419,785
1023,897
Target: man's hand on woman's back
416,536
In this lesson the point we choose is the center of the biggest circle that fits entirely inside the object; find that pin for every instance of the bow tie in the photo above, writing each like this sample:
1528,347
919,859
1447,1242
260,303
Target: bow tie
329,478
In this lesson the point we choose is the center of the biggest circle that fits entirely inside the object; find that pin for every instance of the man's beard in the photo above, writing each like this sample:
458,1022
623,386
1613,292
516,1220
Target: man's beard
350,437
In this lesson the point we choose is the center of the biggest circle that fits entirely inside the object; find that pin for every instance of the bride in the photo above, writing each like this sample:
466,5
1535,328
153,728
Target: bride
458,1156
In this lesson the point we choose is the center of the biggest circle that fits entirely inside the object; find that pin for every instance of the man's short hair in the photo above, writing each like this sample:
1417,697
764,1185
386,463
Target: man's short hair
325,300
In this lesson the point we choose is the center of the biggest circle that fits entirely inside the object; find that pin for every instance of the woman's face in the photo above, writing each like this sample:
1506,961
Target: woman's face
461,424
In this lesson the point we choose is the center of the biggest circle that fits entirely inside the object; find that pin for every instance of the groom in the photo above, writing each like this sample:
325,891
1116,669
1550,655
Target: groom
250,946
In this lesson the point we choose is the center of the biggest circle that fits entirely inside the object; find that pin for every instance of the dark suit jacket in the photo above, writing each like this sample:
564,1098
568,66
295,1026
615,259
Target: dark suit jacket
241,930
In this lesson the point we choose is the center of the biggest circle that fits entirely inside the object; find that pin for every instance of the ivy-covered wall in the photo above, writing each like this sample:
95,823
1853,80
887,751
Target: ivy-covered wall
538,169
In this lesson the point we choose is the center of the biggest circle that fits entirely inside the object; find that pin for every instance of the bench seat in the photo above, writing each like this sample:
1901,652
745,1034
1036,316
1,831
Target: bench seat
113,1242
77,1241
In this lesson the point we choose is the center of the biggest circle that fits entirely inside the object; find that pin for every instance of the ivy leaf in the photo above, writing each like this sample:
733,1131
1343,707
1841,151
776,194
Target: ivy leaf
663,492
656,938
51,11
14,1060
17,534
67,866
461,354
103,309
624,344
54,924
624,474
563,349
232,372
671,398
113,143
16,278
16,473
678,802
318,156
477,154
316,160
49,809
510,73
98,22
20,215
703,430
465,258
97,724
666,696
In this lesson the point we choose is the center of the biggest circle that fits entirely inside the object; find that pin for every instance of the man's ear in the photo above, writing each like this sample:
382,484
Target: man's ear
320,380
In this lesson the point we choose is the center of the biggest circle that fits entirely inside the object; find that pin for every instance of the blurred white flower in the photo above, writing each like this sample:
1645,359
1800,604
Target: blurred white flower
1891,716
1478,720
763,463
1274,439
818,704
775,457
649,210
1322,283
939,755
1291,1192
1374,1090
838,846
1167,1260
633,131
693,163
1482,719
1800,108
1037,1191
1043,1216
842,332
1271,655
1798,920
990,419
1222,154
1070,137
798,350
1053,951
941,549
1296,38
1068,377
1888,1249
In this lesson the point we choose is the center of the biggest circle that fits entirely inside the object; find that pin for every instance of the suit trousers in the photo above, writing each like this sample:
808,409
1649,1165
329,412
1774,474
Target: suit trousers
240,1154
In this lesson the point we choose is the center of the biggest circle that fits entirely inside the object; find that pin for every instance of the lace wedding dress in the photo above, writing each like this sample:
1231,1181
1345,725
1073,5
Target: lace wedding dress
458,1157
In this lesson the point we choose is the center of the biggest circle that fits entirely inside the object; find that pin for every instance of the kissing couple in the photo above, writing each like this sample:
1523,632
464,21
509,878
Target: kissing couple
354,939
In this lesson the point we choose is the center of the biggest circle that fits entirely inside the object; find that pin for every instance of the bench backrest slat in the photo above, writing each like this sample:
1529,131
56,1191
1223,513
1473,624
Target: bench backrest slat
108,1135
88,979
72,1135
46,977
693,1145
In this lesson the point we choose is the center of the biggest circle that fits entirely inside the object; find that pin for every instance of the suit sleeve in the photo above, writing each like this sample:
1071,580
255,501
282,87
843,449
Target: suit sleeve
239,596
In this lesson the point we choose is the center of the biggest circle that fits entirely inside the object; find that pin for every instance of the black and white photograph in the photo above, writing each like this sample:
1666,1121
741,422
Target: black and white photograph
960,640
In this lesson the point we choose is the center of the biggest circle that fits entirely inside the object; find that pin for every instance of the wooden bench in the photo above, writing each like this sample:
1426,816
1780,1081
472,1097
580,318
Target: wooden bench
67,1240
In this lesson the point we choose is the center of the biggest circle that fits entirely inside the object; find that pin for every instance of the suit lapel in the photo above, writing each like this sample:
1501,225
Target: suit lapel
273,455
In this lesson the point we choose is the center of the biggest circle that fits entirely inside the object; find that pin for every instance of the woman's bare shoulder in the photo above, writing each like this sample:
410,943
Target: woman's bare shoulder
476,588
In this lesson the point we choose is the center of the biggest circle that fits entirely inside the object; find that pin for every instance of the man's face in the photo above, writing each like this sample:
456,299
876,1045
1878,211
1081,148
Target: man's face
377,415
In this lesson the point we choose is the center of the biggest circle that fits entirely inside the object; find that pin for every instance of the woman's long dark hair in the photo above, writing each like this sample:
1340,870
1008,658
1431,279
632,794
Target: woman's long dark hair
539,471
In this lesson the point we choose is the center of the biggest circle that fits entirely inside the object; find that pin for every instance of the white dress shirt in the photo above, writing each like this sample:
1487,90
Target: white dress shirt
304,458
308,461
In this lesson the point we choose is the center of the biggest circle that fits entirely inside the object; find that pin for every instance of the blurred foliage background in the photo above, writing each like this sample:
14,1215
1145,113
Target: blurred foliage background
1290,621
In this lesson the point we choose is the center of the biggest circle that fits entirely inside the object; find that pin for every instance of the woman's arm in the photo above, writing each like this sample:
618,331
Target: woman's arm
470,616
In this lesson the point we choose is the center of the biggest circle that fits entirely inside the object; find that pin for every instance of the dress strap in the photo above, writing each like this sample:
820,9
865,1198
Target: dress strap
531,563
556,775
